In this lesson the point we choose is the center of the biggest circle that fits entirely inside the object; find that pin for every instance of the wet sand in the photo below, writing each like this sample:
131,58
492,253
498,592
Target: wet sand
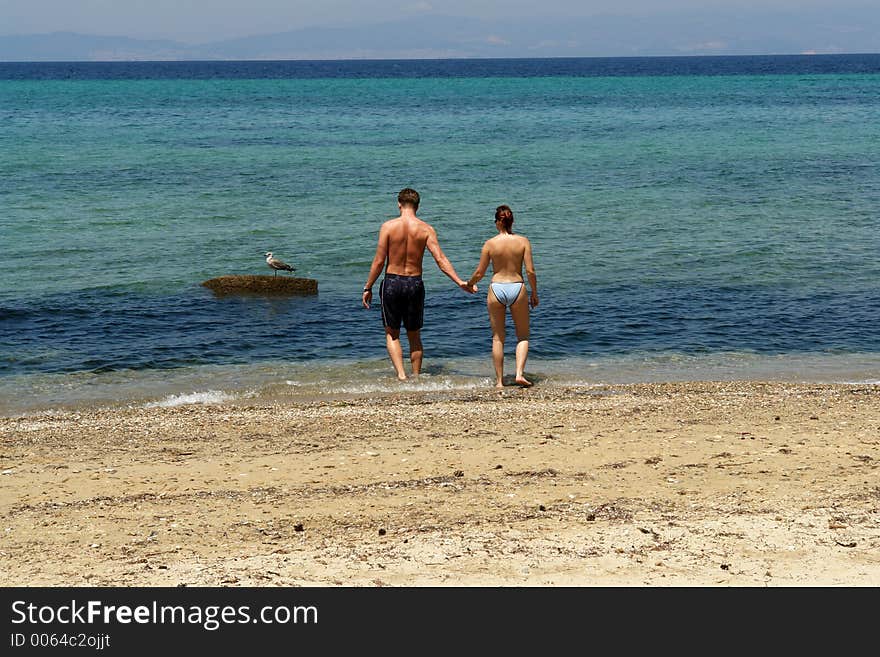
684,484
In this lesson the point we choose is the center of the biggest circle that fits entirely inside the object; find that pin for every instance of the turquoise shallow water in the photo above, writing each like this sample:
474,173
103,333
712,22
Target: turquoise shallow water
684,225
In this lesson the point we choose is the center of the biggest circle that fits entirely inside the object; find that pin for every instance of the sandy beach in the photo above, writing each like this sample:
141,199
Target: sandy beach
706,484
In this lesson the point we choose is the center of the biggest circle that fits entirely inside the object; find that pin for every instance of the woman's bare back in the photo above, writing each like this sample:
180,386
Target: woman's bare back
507,253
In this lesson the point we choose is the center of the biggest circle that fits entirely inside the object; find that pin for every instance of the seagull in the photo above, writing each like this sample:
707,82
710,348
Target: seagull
276,264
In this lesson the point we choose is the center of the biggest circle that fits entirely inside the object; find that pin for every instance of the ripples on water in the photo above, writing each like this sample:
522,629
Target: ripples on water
683,208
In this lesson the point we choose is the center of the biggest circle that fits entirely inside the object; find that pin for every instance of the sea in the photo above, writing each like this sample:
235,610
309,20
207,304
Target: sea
691,218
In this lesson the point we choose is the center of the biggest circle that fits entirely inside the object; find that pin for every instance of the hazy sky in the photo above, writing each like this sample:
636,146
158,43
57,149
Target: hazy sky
197,21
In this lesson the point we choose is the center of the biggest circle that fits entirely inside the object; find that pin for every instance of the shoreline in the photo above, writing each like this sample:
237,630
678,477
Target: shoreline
298,382
728,483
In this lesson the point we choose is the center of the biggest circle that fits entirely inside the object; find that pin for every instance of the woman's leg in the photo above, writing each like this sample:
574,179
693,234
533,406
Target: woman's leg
519,310
496,321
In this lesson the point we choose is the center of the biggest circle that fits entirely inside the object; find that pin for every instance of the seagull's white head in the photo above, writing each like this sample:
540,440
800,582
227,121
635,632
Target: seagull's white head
268,254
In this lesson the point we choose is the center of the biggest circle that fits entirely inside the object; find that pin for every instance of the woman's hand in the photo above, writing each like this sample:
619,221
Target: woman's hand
533,299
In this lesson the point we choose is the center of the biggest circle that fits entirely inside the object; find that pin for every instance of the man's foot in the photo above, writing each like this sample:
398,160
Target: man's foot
401,377
523,381
499,384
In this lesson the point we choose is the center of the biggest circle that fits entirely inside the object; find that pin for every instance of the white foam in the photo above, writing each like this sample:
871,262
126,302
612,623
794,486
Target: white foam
206,397
419,386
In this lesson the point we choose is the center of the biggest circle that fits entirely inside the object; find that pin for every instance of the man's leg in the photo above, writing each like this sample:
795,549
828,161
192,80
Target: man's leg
395,351
415,350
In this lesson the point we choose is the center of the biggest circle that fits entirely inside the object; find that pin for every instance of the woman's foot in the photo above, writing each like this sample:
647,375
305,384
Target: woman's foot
499,384
523,381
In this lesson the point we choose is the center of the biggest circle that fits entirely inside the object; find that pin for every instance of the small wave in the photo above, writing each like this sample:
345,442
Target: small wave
416,386
206,397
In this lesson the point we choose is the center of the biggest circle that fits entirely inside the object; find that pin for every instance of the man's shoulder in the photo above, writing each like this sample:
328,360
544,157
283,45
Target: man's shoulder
390,224
424,224
418,226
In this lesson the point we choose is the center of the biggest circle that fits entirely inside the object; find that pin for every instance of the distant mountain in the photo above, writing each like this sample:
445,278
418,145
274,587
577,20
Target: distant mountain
67,46
716,33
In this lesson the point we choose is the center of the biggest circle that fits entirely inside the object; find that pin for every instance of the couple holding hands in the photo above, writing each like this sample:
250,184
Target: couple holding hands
402,244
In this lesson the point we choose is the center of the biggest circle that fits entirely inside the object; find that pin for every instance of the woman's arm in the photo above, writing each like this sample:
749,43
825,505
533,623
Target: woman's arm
480,271
530,272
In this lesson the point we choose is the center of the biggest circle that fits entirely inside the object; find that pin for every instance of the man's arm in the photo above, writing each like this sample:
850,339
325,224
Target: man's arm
377,266
433,245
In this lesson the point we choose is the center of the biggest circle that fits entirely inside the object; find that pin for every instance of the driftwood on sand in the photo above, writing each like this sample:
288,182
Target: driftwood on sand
269,285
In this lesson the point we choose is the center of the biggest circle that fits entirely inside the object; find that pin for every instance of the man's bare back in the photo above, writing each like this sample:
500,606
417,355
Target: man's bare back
401,249
406,238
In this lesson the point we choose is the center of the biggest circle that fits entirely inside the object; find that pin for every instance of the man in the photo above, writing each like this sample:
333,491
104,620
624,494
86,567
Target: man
402,244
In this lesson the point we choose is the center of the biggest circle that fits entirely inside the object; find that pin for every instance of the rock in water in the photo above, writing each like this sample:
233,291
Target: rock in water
261,285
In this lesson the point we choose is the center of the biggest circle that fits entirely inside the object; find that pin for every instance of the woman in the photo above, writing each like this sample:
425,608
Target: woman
507,253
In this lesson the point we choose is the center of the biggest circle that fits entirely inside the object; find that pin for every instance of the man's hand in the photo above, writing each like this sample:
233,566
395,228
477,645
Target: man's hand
467,287
367,298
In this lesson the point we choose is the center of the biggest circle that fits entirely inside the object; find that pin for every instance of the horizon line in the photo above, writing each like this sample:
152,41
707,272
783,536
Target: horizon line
426,59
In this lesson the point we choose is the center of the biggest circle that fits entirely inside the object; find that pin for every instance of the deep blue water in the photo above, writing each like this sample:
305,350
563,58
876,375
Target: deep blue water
100,332
445,68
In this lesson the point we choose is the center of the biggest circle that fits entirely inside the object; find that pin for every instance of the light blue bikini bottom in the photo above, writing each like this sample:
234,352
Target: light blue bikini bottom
506,293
